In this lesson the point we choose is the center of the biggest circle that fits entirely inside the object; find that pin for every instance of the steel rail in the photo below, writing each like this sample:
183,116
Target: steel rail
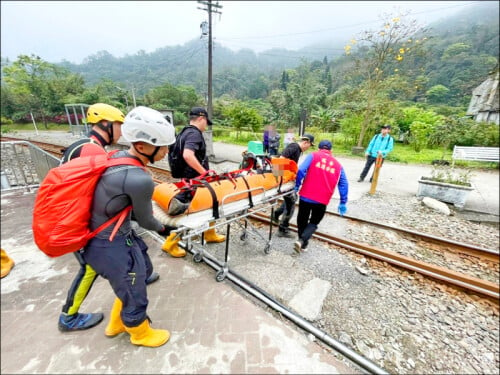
467,249
463,248
477,285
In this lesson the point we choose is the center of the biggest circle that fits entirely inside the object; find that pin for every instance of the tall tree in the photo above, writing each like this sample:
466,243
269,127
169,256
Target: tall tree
39,87
376,49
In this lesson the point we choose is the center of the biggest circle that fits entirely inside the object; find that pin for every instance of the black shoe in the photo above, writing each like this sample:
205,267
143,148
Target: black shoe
275,219
177,207
283,233
360,179
78,322
152,278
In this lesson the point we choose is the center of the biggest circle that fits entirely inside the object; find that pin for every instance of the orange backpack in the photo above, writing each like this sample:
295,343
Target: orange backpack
63,205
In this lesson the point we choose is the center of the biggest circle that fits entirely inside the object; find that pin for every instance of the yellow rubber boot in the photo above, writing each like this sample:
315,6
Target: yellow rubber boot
144,335
115,325
6,262
212,236
171,246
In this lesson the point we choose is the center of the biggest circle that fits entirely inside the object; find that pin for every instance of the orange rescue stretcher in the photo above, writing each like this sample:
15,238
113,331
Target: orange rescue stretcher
224,199
213,196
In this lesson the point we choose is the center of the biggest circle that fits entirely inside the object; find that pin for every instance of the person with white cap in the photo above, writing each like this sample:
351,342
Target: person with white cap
123,261
318,176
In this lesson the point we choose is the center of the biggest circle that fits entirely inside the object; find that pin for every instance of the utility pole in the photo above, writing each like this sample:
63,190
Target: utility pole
210,8
133,96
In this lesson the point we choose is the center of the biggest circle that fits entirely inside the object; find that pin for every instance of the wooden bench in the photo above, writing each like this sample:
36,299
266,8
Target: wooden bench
489,154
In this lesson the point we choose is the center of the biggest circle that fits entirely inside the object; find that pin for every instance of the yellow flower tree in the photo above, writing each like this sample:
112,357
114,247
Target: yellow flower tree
377,51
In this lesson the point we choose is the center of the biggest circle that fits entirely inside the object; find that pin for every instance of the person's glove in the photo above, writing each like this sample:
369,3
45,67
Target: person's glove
342,209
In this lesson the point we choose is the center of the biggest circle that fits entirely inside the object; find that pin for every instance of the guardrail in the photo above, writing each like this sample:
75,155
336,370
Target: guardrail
24,165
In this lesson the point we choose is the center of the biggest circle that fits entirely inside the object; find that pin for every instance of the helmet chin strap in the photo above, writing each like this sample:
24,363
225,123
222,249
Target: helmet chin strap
151,157
108,129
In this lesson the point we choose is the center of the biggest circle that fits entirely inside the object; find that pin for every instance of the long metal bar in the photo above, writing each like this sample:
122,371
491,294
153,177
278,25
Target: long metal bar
362,362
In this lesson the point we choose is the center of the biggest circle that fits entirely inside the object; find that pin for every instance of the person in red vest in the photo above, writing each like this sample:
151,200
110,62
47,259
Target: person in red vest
318,176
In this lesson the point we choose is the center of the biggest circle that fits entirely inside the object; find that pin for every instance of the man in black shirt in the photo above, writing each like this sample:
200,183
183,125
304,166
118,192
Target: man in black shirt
293,152
194,152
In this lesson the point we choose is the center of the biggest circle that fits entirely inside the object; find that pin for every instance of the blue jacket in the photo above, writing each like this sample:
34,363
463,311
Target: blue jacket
382,144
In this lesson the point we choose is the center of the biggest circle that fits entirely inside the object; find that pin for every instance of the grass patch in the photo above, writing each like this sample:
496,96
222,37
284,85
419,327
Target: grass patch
401,153
11,128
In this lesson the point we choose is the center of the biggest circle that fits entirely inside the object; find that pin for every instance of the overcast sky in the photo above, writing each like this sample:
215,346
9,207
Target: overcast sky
73,30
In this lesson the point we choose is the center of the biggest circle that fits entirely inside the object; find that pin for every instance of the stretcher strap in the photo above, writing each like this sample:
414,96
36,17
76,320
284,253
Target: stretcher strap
279,186
215,202
250,202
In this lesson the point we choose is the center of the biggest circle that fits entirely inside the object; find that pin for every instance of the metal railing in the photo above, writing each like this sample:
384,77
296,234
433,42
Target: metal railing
24,165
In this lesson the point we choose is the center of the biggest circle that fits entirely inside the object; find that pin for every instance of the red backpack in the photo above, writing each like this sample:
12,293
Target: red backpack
63,205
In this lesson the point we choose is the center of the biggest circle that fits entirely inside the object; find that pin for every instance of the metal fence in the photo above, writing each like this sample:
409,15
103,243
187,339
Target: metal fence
24,165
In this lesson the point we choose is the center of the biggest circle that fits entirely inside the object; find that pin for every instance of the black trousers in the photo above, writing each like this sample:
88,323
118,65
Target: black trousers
286,209
308,219
126,265
369,162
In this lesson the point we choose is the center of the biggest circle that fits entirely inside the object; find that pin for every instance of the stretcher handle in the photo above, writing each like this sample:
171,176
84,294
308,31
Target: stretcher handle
248,191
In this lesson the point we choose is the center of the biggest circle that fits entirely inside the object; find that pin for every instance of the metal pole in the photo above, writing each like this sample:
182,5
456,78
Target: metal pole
34,124
133,96
209,102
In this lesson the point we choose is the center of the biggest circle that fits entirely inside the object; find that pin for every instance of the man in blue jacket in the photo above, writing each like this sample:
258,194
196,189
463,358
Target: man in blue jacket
381,144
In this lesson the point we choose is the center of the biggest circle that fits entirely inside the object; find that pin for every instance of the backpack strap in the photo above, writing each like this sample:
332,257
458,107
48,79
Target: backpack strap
120,216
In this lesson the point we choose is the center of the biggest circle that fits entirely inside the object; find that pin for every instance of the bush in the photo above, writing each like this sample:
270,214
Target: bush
5,121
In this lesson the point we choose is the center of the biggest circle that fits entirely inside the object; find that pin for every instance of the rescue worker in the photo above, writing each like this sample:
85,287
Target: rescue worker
194,152
106,123
293,152
122,261
318,176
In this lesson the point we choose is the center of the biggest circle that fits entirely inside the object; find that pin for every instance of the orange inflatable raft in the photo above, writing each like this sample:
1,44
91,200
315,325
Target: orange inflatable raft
214,196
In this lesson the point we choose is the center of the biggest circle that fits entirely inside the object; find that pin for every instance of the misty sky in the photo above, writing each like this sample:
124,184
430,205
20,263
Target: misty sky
73,30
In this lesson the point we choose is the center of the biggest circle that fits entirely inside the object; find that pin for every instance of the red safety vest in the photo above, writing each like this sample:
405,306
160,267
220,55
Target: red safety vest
322,177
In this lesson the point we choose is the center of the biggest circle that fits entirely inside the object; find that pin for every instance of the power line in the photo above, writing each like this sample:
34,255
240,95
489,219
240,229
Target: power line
340,27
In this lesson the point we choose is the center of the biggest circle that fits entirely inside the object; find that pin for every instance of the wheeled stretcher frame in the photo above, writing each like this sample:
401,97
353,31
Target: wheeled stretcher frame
227,217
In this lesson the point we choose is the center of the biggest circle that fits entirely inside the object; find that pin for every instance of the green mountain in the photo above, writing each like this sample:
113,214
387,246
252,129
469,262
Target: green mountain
461,51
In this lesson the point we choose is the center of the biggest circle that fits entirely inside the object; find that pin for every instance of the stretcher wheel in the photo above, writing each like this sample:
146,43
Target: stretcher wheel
220,276
267,249
243,237
197,257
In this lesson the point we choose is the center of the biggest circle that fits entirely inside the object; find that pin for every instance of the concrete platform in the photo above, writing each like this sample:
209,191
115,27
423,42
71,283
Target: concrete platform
215,328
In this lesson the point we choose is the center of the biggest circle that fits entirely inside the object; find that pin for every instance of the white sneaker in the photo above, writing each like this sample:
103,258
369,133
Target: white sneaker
298,246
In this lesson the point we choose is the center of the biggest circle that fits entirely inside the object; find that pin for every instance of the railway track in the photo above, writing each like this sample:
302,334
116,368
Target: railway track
461,280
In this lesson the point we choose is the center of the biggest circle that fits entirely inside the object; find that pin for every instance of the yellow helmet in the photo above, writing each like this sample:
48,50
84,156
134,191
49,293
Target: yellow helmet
100,111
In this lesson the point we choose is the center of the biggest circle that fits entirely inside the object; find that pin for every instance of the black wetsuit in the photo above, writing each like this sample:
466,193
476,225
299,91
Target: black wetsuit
124,262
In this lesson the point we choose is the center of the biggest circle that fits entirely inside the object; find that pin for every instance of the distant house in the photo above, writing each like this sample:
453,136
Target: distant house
484,104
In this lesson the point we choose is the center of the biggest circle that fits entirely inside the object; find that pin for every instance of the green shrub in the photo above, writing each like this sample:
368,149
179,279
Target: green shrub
5,121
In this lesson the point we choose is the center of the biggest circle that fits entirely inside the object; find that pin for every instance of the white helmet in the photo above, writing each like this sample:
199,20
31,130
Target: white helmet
143,124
